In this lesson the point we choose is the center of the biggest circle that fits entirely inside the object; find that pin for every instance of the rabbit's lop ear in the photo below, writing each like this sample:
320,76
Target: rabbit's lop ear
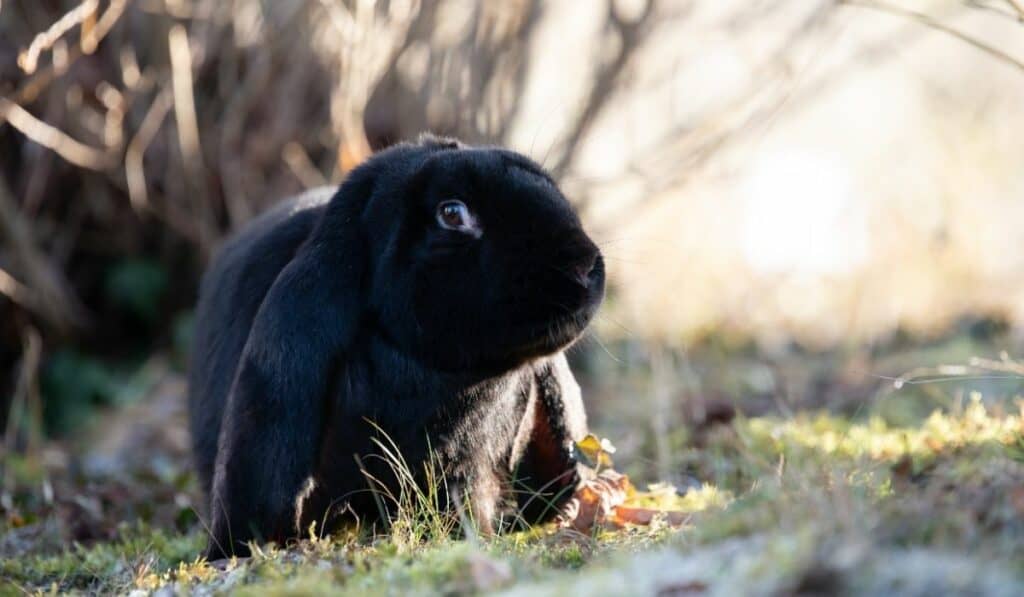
307,322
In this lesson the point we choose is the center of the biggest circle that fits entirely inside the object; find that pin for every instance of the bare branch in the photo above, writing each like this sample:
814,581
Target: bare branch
368,44
607,79
188,130
1017,6
28,59
301,166
92,38
184,101
25,398
57,302
53,138
19,293
133,164
933,23
245,95
1005,12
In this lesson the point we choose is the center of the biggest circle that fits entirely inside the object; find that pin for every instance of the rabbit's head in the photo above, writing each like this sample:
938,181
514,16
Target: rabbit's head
474,258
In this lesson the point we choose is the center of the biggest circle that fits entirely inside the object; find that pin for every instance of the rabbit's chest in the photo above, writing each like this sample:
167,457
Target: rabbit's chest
386,415
418,412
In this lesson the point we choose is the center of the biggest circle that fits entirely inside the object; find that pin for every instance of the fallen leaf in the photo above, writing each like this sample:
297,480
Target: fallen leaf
644,516
595,500
601,501
595,452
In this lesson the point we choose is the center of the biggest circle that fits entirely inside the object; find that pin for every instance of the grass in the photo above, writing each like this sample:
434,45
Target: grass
813,503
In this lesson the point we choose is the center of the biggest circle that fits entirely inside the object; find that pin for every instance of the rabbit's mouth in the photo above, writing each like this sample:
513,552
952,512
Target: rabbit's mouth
559,333
560,330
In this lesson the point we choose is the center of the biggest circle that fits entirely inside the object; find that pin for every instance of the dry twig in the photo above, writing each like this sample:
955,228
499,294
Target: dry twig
57,304
133,159
28,59
933,23
301,166
631,34
92,38
19,293
52,138
25,399
188,131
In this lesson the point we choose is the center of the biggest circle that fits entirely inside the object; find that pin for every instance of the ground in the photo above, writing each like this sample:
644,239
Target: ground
814,501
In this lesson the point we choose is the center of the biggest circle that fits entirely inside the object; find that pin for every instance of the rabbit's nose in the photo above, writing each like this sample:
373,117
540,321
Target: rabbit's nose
581,271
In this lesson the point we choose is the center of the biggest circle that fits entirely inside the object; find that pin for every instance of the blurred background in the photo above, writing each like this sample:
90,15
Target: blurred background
805,205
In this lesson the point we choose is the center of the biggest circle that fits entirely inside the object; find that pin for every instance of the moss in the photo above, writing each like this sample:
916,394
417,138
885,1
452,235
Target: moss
812,503
136,559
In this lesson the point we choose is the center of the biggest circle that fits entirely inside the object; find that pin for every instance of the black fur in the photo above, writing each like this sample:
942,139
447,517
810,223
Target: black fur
334,320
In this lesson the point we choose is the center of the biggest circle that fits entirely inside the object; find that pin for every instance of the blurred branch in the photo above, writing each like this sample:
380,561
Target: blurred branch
173,8
92,38
53,138
19,293
933,23
25,399
683,148
135,174
630,35
31,89
133,160
369,44
238,108
57,303
301,166
29,59
188,131
1015,10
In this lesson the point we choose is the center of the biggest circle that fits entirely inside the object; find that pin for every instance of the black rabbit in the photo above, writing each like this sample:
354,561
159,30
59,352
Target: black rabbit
425,303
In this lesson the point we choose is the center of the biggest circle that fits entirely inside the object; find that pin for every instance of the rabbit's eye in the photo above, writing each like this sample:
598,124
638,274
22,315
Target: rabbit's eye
454,215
